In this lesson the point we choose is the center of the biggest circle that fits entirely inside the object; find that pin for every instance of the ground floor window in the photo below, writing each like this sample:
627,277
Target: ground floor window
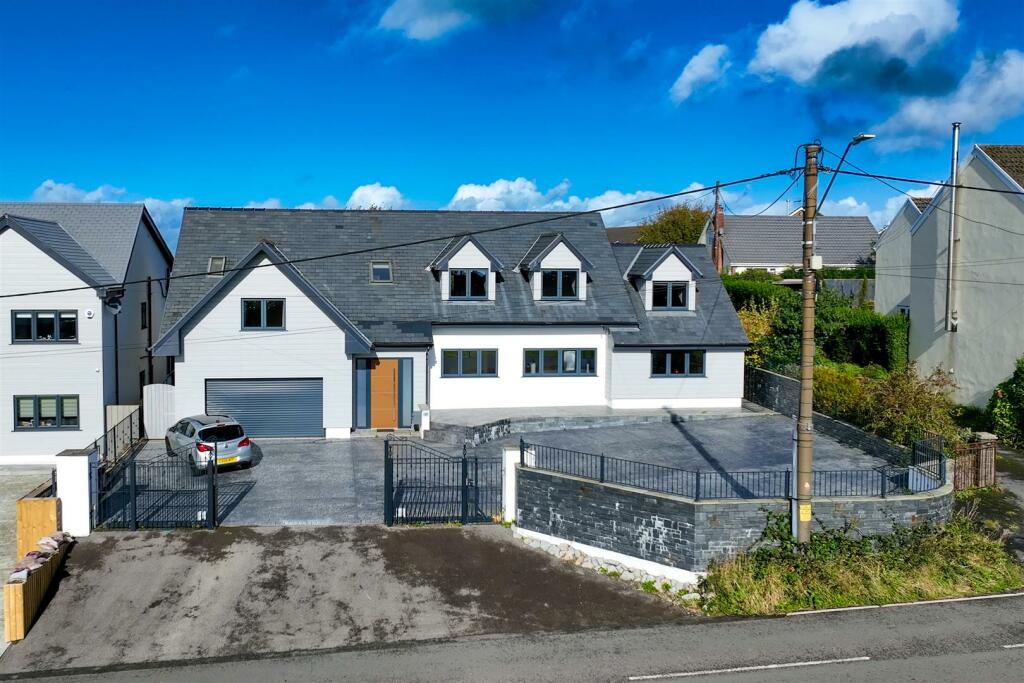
46,412
546,362
469,363
677,363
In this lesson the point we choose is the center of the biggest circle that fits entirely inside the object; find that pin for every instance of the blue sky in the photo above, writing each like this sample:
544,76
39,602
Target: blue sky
484,104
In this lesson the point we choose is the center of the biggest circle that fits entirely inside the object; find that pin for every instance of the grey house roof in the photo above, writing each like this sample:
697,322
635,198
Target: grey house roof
714,323
543,246
647,258
107,231
62,247
776,240
402,312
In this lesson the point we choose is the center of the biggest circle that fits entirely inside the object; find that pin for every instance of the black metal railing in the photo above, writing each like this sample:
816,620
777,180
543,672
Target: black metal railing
426,485
122,439
887,480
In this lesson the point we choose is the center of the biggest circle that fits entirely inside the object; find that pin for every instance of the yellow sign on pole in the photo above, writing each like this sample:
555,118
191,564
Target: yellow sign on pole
805,512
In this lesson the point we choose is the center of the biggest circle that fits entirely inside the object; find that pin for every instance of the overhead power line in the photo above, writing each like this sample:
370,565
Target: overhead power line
783,194
918,181
428,240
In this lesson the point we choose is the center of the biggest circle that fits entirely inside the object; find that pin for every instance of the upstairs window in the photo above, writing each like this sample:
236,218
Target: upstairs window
677,363
262,314
44,326
467,284
560,362
216,266
380,271
559,284
670,295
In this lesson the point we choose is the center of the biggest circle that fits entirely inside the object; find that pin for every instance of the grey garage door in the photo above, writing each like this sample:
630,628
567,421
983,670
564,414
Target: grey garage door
270,407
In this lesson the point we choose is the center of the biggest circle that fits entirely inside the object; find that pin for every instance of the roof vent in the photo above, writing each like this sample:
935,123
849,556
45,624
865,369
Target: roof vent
216,265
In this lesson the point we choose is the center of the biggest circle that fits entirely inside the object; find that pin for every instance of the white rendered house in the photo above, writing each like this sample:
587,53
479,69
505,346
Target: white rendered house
66,355
290,333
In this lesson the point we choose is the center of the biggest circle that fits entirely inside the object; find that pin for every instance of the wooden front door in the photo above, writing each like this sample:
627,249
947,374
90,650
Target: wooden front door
384,393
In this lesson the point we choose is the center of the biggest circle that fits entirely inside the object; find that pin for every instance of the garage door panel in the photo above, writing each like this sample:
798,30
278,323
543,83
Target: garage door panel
270,407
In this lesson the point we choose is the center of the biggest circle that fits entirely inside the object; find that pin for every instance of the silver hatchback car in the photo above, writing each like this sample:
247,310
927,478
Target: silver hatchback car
200,438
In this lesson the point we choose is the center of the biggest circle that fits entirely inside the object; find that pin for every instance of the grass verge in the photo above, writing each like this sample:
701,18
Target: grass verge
925,562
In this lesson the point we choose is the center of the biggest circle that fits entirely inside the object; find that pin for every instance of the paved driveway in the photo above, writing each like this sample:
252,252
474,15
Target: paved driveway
302,481
749,443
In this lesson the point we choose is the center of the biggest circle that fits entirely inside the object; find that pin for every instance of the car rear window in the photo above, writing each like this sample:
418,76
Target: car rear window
221,433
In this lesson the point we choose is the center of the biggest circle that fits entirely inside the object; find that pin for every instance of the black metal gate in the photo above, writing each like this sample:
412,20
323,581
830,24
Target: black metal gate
157,493
424,485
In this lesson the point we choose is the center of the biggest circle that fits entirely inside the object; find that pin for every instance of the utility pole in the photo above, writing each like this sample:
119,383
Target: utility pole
718,249
804,426
951,238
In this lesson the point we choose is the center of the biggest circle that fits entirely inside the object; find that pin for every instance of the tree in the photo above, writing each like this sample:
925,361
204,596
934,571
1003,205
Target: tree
679,224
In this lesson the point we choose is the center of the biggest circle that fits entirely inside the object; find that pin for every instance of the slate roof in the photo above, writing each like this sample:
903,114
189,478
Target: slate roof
455,245
403,311
1009,157
921,202
625,235
770,240
54,240
647,256
543,245
714,323
106,230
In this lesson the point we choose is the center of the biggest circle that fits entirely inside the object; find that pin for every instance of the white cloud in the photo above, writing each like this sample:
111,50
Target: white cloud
707,66
812,32
377,195
989,93
165,212
424,19
328,202
524,195
268,203
52,191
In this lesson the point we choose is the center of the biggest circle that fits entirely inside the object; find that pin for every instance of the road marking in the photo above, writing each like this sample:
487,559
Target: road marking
742,669
906,604
1010,647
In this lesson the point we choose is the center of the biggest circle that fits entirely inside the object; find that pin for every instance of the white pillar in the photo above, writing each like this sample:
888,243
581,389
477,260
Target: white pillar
510,455
74,472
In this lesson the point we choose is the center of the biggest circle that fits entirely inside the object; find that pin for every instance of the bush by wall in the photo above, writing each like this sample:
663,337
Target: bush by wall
1006,408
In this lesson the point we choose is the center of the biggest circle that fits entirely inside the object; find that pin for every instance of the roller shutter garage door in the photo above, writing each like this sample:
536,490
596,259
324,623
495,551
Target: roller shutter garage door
270,407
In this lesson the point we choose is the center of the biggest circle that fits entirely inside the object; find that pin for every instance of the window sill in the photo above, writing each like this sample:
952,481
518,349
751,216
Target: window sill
678,376
30,430
44,342
465,300
469,376
672,311
565,376
263,329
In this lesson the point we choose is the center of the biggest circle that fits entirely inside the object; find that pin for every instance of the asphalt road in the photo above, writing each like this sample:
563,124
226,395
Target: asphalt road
951,641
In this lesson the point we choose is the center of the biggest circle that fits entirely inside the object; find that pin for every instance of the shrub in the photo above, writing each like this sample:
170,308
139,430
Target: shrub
1007,408
840,393
838,569
757,321
758,275
903,407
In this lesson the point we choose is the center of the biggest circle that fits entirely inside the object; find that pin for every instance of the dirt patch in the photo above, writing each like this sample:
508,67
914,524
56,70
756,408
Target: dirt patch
513,588
91,556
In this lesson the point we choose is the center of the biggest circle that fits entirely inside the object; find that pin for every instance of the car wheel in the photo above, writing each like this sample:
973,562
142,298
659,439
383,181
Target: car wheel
167,445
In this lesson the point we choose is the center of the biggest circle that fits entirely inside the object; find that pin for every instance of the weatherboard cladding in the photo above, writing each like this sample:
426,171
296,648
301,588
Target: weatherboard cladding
402,312
714,323
107,231
776,240
53,239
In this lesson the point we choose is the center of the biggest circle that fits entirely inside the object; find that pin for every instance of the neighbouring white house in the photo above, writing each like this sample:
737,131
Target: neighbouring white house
324,322
66,355
977,332
892,257
775,243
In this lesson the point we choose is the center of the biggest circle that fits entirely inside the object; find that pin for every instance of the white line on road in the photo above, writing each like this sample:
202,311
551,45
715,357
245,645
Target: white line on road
742,669
906,604
1010,647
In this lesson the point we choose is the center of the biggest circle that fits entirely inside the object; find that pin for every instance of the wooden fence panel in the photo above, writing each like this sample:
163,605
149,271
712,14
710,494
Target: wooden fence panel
975,465
23,600
36,517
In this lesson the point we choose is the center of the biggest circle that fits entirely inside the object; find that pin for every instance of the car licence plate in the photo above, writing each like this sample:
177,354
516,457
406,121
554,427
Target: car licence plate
225,461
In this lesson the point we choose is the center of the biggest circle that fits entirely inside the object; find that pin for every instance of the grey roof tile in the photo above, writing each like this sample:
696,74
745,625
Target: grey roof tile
56,241
106,230
766,240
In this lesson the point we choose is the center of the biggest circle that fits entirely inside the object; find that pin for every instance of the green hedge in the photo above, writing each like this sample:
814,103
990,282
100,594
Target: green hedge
843,333
1007,408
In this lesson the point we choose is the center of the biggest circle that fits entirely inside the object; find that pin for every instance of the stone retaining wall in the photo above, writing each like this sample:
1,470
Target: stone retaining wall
680,532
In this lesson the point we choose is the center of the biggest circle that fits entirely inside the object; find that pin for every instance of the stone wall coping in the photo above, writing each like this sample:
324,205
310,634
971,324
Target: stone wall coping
944,490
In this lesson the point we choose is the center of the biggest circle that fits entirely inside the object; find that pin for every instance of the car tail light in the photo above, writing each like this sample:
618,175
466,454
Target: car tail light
244,442
204,448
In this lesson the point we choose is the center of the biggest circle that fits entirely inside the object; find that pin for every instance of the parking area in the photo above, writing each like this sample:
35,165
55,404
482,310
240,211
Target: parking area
753,442
157,596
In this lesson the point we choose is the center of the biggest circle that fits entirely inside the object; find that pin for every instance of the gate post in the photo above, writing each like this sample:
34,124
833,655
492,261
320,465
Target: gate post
465,492
211,490
133,510
389,493
601,479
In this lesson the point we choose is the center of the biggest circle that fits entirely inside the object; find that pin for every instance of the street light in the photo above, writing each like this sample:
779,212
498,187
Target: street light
857,139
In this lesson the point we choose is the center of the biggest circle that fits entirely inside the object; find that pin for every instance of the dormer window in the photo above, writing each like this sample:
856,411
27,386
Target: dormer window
559,284
467,284
670,295
380,271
